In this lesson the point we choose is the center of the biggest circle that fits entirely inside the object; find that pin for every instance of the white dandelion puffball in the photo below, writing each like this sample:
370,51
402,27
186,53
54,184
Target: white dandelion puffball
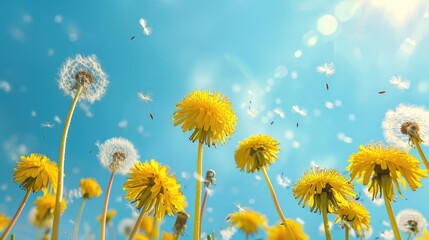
126,225
411,221
394,120
86,72
117,154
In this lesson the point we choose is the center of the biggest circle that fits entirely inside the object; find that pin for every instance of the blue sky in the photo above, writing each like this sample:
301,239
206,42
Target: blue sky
263,56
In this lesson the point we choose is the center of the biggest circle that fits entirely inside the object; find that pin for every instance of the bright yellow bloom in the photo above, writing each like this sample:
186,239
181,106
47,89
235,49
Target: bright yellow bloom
256,152
309,189
140,236
424,236
354,214
111,213
4,221
150,185
148,225
208,114
45,207
384,165
36,172
248,221
278,232
90,188
167,236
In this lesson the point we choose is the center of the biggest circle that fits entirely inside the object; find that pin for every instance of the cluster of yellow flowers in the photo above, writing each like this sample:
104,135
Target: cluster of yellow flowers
209,115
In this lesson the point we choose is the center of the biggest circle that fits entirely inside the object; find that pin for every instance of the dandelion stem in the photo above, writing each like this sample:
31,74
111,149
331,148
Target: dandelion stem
79,215
324,208
409,236
198,192
419,149
61,159
39,233
347,233
106,204
204,206
392,218
18,212
136,225
112,231
276,202
247,236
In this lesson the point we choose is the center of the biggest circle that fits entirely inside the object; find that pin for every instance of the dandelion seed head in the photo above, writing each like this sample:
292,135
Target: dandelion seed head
117,154
86,72
411,221
406,121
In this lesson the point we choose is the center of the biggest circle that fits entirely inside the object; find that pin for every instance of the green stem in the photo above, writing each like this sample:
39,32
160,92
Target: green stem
18,212
419,149
391,217
276,202
59,191
79,216
203,206
247,236
409,236
137,225
198,193
347,233
112,231
39,233
324,207
106,204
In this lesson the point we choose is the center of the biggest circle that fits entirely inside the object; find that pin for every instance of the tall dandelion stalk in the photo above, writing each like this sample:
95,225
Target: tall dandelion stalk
323,190
210,116
80,78
406,127
90,189
35,172
382,167
151,186
209,180
117,155
257,153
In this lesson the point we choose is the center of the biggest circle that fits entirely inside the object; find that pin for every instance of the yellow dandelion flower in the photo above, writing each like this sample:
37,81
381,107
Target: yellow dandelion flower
4,221
354,214
208,114
380,166
167,236
310,187
147,224
140,236
45,206
248,221
256,152
278,232
109,216
90,188
150,185
36,172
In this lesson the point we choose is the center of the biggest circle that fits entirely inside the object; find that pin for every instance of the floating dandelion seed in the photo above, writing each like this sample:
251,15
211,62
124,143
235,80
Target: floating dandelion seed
279,112
123,124
47,125
147,98
327,68
146,30
387,234
5,86
399,83
298,110
86,109
57,119
228,233
283,181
